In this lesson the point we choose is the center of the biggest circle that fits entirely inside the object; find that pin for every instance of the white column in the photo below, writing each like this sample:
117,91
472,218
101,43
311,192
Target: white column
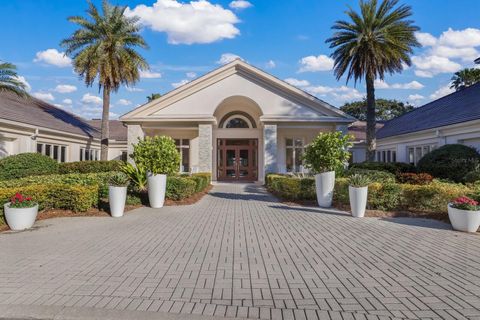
270,148
134,132
205,146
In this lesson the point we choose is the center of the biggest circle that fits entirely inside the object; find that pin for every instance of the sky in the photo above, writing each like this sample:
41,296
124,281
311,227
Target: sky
189,38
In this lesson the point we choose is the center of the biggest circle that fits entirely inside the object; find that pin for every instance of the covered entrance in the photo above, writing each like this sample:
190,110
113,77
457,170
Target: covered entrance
237,159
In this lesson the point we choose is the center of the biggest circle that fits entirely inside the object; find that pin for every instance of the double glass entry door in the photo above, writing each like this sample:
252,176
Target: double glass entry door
237,159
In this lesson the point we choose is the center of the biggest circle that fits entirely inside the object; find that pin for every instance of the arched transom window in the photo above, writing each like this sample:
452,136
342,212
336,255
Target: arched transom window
237,120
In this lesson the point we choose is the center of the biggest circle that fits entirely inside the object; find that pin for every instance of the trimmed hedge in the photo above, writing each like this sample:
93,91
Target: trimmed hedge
26,164
392,167
415,178
373,175
430,198
452,162
179,188
90,166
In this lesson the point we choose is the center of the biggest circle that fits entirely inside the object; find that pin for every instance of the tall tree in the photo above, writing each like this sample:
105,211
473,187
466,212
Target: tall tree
465,78
376,41
103,49
153,96
385,109
9,80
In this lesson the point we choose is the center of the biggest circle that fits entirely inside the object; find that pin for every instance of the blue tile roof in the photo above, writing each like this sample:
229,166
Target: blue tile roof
457,107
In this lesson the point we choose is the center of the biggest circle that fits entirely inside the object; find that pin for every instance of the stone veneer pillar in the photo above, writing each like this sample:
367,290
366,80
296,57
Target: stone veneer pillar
205,147
134,132
270,148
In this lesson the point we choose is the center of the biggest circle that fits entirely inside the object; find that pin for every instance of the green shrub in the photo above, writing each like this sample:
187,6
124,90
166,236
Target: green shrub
327,152
137,175
90,166
358,180
291,188
384,196
202,180
179,188
26,164
373,175
392,167
452,161
57,196
414,178
472,176
157,154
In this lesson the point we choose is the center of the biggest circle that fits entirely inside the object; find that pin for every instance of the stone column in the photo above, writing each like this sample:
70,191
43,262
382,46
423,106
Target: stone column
134,132
270,148
205,146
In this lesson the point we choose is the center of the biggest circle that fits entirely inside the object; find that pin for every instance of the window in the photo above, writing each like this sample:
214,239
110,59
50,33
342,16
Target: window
124,156
56,152
386,155
183,147
415,153
294,151
87,154
237,123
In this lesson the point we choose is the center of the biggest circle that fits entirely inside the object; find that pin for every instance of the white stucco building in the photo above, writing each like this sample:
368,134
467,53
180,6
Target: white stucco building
452,119
237,122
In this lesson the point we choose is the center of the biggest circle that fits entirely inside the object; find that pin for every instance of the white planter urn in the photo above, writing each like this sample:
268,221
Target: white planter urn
157,185
20,218
358,200
324,184
464,220
116,198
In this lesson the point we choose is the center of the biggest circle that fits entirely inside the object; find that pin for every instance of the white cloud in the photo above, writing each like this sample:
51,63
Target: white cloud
318,63
90,99
67,101
187,23
270,64
65,88
227,58
53,57
341,94
124,102
297,82
412,85
425,39
442,91
133,89
466,54
428,66
44,96
180,83
469,37
240,4
191,75
22,79
147,74
415,97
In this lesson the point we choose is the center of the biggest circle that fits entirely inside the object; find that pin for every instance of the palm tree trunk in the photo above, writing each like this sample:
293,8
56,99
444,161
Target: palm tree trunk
371,119
105,124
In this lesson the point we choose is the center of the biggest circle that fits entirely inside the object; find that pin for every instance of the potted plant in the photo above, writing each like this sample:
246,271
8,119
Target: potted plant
464,214
325,154
159,156
20,212
117,193
358,192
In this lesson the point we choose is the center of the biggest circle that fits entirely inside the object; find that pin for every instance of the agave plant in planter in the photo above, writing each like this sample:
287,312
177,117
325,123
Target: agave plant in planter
325,154
117,193
159,156
464,214
20,212
358,192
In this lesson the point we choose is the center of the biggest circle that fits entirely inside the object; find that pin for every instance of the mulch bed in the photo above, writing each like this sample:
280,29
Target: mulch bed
102,211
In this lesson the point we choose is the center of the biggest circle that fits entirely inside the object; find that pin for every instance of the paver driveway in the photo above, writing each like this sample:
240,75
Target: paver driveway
239,253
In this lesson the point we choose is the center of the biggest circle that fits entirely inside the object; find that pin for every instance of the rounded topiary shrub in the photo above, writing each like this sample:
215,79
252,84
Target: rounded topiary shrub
157,155
26,164
328,152
472,176
452,161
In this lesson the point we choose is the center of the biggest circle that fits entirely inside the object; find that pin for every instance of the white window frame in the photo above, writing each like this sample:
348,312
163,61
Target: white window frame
43,150
419,151
386,155
179,148
93,154
294,153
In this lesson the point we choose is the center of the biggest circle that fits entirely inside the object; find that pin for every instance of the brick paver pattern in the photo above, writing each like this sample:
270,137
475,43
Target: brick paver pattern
240,253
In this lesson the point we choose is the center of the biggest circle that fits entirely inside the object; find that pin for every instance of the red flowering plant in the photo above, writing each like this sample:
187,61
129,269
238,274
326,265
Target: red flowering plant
21,201
465,203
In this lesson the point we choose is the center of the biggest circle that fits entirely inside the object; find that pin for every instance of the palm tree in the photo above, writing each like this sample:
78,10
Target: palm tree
103,50
153,96
465,78
376,41
9,81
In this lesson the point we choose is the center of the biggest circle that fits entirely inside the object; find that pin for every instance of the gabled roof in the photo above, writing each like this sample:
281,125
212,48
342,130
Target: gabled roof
241,67
358,129
457,107
118,130
38,113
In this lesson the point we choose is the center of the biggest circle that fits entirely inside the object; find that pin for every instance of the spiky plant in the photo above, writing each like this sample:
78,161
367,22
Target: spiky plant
103,50
9,80
377,40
